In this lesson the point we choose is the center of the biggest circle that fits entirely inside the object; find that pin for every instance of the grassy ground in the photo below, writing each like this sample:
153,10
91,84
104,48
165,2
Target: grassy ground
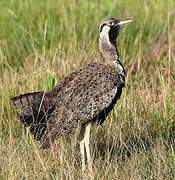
41,40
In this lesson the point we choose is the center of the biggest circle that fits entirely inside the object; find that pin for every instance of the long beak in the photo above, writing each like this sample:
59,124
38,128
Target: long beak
124,22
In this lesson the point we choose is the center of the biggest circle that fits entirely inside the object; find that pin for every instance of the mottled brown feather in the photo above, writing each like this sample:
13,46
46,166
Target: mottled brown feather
80,97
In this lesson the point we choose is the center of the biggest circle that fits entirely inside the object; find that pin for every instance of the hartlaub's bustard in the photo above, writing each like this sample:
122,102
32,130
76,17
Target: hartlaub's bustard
81,98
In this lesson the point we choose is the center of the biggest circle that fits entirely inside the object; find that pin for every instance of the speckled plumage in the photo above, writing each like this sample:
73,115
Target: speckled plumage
86,95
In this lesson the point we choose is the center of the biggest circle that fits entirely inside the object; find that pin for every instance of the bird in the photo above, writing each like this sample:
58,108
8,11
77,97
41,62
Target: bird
82,98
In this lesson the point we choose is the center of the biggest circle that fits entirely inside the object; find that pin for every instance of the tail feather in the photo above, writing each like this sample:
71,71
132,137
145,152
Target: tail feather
33,110
26,99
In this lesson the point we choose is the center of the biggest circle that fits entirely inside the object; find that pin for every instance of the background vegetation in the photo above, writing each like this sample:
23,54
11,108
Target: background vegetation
47,39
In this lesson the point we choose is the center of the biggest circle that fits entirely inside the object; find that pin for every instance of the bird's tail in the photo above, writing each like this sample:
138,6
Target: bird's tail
33,110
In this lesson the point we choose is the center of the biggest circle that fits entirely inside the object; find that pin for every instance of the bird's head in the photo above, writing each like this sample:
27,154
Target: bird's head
111,26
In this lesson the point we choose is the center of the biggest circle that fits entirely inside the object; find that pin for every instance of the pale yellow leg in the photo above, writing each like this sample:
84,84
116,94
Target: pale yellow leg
84,145
82,151
86,141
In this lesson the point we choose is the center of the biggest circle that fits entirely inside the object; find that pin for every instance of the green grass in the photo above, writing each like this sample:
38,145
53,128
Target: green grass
44,40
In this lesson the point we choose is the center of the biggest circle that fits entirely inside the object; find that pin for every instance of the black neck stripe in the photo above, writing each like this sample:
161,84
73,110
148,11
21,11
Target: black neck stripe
101,27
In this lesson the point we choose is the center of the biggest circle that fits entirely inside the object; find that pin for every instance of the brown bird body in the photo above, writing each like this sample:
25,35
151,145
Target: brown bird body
85,96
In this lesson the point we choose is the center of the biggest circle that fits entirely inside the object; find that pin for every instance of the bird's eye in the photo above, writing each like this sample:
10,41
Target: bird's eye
111,23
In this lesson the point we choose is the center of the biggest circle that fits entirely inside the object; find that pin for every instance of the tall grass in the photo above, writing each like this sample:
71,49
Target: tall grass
41,40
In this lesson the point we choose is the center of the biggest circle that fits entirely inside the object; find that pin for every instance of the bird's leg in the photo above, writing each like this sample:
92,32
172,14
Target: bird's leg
86,141
84,144
82,151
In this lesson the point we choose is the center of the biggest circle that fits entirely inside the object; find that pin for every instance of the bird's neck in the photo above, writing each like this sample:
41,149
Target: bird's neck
110,52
